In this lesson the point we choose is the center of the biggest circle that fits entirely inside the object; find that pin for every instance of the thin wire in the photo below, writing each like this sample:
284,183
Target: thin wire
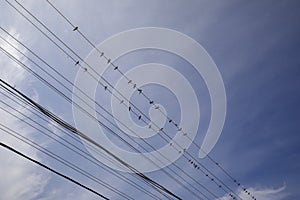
78,151
72,166
188,183
69,127
52,170
149,100
112,116
93,148
63,95
62,41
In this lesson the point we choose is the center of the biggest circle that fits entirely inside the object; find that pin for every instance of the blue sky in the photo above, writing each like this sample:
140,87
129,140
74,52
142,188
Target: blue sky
255,45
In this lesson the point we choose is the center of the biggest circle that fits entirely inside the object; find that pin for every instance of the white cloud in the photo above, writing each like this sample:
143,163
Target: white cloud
261,194
20,179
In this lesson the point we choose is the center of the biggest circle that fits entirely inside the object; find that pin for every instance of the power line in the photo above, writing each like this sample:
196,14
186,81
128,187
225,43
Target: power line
71,49
117,127
141,92
77,151
64,96
52,170
72,129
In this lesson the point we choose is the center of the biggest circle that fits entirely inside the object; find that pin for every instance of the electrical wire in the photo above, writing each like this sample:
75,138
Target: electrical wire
64,96
148,99
77,151
173,171
73,52
52,170
72,129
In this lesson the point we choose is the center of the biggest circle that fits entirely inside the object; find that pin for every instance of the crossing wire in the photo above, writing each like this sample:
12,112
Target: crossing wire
75,28
52,170
77,151
72,129
168,118
89,97
81,59
63,95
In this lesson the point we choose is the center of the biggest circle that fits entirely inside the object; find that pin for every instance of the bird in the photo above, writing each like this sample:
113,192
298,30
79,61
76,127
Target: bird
161,129
149,126
108,61
101,54
116,67
85,69
105,87
170,120
139,90
122,101
134,86
151,102
75,28
129,108
77,63
140,117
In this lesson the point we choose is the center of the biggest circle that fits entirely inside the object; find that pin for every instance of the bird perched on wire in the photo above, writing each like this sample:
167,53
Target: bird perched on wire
77,63
75,28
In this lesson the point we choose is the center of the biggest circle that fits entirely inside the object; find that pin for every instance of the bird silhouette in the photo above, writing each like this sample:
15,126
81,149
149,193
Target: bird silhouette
105,87
75,28
108,61
77,63
139,90
116,67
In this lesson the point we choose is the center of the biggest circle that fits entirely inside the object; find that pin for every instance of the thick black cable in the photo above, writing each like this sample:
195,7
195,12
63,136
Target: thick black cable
52,170
62,42
96,102
65,162
63,95
78,151
91,43
82,135
121,130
